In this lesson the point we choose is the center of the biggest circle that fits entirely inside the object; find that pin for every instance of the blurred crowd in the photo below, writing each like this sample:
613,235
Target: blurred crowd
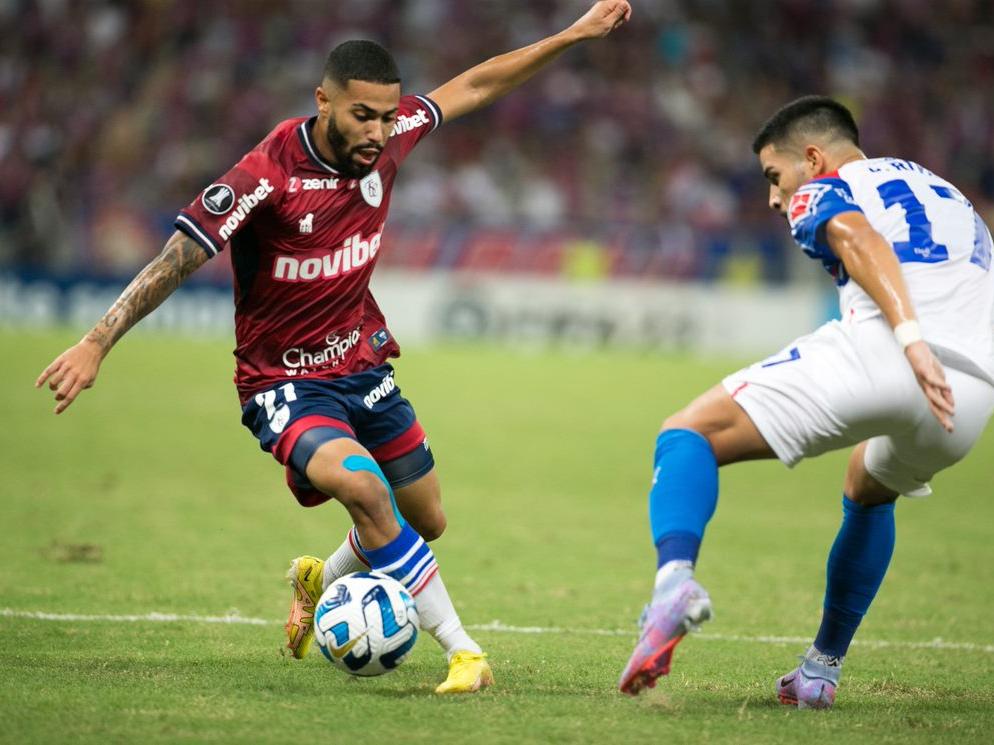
628,157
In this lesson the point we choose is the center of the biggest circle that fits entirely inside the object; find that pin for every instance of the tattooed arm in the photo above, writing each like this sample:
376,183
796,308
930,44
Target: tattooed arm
76,368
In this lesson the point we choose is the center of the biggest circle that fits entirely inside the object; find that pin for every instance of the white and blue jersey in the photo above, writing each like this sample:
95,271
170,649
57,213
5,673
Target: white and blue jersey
942,243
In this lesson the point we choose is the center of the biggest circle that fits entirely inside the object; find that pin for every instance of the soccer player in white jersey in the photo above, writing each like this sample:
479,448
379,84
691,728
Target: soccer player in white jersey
907,376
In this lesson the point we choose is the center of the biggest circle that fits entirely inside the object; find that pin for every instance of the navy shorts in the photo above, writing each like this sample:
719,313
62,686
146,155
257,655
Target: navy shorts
294,418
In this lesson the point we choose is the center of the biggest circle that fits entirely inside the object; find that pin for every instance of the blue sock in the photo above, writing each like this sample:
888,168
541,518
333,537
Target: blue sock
684,494
407,558
857,564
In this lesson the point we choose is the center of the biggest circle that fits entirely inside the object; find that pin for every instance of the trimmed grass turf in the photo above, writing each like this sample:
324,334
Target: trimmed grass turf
148,495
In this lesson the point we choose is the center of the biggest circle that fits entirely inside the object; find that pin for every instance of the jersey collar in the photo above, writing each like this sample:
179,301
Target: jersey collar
307,142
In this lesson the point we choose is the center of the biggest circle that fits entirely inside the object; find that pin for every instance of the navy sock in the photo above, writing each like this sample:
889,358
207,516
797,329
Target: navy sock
684,494
857,564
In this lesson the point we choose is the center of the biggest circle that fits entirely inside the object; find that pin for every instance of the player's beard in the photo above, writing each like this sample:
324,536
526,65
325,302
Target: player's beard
343,153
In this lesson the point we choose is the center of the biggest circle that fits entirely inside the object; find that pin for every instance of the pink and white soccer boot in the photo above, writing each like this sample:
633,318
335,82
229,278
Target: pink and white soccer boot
664,623
812,684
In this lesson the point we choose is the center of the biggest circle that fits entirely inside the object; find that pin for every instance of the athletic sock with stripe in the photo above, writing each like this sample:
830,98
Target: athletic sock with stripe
410,561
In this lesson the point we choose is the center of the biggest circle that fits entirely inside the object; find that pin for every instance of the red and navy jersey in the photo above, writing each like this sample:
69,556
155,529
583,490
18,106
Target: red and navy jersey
303,242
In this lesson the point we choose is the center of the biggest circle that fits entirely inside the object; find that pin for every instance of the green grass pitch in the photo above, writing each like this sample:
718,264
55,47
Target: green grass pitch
149,496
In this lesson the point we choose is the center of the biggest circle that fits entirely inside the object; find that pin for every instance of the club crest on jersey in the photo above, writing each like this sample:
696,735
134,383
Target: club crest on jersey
806,199
218,199
372,189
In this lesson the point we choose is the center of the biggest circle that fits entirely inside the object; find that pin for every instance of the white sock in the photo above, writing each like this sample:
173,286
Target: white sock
671,574
825,659
344,561
435,610
439,618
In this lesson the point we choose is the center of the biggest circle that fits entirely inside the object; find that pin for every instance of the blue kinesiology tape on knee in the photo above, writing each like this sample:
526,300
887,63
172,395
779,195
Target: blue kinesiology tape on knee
856,567
362,463
684,493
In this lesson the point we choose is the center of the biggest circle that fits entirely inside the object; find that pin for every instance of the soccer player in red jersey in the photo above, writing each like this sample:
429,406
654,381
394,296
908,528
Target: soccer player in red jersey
302,216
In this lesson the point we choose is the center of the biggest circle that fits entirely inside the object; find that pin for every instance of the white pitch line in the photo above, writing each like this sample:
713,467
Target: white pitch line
494,626
936,643
153,617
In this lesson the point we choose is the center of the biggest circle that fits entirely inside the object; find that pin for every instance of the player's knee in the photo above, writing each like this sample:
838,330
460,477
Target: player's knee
865,491
362,494
861,487
680,420
686,421
869,497
429,526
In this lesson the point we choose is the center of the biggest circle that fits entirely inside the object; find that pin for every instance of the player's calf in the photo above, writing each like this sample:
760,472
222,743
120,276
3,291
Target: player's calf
419,499
429,526
371,508
342,469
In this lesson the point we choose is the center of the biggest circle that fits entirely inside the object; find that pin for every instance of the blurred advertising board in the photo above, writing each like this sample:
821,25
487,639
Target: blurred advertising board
422,308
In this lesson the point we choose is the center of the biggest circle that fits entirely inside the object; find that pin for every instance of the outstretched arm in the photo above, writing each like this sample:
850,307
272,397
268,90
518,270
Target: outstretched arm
870,261
76,368
482,85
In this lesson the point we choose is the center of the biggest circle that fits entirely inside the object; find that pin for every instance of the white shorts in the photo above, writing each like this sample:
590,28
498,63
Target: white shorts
848,382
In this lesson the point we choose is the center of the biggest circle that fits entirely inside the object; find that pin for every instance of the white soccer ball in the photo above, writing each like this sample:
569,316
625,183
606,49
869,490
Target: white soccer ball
366,623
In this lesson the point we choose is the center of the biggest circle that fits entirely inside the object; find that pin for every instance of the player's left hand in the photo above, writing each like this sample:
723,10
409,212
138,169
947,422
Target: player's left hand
932,379
603,18
72,372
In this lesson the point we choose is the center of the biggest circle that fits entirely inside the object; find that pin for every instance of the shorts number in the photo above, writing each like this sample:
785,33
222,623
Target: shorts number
278,415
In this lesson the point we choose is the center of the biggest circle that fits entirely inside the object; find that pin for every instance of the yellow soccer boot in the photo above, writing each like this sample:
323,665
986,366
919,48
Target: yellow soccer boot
305,584
468,673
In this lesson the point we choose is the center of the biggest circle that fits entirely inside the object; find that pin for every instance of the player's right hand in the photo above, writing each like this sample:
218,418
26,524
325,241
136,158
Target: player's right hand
71,372
932,379
602,18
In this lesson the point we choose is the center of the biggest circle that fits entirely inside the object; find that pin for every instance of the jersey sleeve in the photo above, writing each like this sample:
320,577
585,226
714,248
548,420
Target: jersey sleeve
225,207
811,207
417,116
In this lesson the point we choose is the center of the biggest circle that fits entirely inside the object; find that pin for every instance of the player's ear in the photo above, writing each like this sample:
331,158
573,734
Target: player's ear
814,160
322,101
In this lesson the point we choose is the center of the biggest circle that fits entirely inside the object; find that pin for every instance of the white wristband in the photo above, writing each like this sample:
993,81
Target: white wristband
907,332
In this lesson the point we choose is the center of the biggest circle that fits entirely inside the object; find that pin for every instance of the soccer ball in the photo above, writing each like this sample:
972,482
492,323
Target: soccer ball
366,623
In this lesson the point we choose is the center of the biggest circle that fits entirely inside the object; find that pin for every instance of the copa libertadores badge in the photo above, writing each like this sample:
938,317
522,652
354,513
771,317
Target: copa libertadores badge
218,198
372,189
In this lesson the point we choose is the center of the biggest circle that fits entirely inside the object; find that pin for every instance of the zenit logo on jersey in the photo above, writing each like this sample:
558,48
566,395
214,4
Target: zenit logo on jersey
296,184
218,198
